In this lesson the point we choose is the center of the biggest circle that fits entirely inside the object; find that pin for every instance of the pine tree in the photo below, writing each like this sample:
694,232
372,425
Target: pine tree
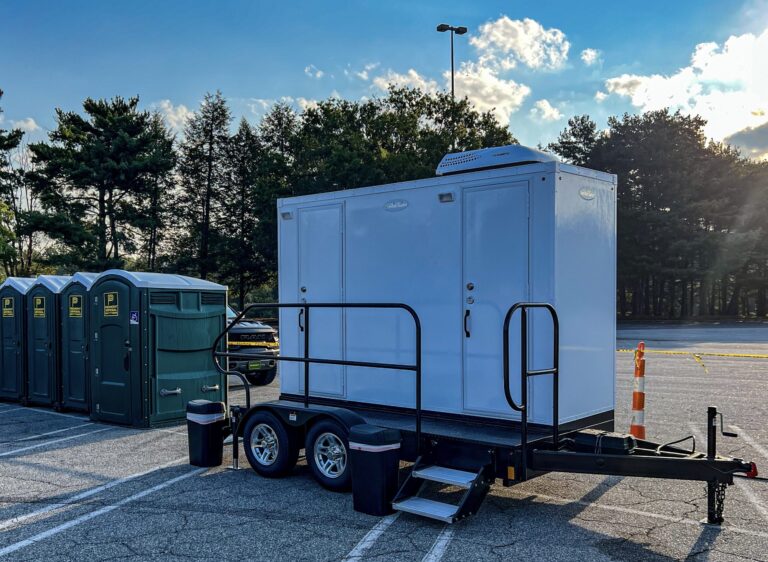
9,140
202,180
242,266
154,206
91,178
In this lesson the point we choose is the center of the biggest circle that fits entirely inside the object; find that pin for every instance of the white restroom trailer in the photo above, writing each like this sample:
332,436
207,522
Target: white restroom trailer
412,318
460,249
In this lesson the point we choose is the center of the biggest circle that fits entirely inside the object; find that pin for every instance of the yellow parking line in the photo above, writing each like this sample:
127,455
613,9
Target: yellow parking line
699,353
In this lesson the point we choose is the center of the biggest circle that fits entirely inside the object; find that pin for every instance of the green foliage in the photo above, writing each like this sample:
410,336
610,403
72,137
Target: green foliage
689,212
93,177
110,188
202,183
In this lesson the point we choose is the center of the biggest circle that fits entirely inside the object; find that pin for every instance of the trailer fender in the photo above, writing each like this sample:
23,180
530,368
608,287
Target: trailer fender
300,418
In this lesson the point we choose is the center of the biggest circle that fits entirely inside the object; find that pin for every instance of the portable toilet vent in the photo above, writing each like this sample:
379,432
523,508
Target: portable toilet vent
13,345
43,358
489,158
75,377
151,336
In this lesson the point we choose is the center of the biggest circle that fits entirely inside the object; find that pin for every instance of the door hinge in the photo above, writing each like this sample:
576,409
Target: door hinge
98,408
97,371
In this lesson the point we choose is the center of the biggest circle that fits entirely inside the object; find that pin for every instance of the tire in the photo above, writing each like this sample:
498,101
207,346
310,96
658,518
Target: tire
271,449
327,451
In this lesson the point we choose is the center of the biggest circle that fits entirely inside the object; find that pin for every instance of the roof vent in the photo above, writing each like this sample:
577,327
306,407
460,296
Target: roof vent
487,158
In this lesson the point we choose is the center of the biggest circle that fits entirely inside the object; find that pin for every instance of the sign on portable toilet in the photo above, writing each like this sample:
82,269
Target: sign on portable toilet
43,358
75,372
151,336
13,294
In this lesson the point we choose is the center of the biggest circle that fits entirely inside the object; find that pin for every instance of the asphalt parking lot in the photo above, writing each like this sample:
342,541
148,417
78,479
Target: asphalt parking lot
71,489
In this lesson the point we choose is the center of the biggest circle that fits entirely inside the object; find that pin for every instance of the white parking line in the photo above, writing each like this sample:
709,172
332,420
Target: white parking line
370,538
751,442
13,409
45,411
52,442
440,545
51,412
636,512
99,512
48,433
83,495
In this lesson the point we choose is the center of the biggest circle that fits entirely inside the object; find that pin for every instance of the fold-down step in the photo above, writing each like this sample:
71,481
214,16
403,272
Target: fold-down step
450,476
427,508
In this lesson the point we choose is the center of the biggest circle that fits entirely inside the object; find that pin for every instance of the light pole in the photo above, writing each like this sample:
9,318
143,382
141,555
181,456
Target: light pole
442,28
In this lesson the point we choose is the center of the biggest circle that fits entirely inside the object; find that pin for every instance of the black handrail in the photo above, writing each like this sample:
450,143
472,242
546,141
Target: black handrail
305,308
525,373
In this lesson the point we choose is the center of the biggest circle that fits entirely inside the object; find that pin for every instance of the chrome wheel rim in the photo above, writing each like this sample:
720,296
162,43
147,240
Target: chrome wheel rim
330,455
264,445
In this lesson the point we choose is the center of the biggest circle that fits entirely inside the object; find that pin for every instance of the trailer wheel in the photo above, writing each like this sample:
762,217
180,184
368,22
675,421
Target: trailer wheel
270,448
327,449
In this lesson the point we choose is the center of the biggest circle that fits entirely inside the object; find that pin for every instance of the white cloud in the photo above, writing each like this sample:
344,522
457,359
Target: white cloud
27,125
505,42
411,79
600,97
260,106
489,92
752,141
545,111
364,74
727,85
313,72
175,116
590,57
305,103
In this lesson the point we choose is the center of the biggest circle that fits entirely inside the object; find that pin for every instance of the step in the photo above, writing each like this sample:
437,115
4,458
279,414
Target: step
451,476
427,508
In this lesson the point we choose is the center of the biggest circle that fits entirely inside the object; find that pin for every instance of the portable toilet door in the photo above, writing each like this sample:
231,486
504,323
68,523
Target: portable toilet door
75,374
13,294
43,364
114,366
150,348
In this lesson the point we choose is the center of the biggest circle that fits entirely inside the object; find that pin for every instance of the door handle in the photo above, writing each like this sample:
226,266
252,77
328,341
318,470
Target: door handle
466,320
301,315
165,392
212,388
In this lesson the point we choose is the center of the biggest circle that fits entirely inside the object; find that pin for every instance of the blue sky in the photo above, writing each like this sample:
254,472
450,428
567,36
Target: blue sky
525,59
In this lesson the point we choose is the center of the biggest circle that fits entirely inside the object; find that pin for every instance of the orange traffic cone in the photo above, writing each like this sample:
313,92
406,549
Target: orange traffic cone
637,426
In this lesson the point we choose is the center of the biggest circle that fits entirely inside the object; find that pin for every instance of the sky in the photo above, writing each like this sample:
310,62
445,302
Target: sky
535,64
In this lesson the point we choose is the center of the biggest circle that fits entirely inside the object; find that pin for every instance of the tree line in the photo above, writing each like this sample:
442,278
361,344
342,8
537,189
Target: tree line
113,186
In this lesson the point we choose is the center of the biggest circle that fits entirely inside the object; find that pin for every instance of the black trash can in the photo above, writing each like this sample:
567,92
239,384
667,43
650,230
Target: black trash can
206,421
375,463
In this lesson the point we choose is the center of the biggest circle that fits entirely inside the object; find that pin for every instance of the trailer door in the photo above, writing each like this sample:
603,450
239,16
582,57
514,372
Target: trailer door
321,280
495,264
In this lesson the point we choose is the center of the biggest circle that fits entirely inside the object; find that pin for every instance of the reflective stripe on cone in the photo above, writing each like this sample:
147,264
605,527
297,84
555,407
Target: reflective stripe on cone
637,425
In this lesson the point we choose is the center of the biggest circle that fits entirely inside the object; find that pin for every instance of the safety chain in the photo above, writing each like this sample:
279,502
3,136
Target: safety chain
720,499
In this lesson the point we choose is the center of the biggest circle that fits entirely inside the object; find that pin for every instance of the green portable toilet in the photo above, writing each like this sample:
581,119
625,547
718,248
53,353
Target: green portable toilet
75,375
150,346
13,359
43,358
